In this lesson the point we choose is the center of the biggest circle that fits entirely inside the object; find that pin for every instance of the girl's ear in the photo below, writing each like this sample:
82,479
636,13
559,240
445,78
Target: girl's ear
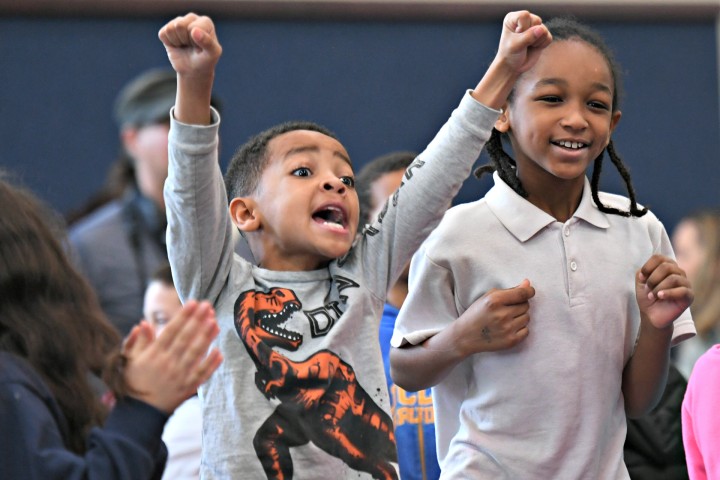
615,119
502,124
244,214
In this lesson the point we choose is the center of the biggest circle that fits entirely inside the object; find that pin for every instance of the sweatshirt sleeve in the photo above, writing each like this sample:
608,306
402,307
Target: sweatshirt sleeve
428,308
128,447
429,185
199,235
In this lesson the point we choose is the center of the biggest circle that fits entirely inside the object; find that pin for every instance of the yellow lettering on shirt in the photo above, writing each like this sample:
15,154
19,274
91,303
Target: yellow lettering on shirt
412,407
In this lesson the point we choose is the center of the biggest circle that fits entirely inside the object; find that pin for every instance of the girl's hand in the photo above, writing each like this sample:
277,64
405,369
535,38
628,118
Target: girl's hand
663,291
192,45
498,320
523,38
167,370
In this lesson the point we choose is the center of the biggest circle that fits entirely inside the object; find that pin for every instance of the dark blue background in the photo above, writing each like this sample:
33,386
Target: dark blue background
380,86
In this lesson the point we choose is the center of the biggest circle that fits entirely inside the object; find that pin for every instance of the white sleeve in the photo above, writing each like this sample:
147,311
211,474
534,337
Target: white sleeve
430,305
683,326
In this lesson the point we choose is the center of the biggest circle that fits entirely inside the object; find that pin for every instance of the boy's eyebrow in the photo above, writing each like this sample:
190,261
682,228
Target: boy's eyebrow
558,81
315,148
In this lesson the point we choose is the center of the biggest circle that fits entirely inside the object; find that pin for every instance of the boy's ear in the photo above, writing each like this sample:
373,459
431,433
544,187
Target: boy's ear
244,214
502,124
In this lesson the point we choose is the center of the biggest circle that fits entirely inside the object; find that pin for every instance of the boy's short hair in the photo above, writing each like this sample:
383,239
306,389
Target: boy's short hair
373,170
249,161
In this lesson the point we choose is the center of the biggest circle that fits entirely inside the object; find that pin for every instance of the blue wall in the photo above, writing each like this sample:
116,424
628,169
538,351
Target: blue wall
379,86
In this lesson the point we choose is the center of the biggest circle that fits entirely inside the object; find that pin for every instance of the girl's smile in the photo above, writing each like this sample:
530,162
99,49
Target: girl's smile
559,120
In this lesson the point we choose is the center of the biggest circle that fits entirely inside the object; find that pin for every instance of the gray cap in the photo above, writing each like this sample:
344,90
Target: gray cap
147,99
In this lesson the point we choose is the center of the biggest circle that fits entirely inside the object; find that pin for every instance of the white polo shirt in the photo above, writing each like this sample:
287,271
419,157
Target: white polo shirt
552,406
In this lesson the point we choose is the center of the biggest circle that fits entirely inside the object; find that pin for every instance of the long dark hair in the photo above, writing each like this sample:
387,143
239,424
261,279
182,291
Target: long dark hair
49,315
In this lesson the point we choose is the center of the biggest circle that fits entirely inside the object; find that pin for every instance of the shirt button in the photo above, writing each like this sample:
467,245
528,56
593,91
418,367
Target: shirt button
573,266
566,231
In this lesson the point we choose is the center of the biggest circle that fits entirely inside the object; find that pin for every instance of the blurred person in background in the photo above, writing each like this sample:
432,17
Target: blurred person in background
120,240
412,412
54,337
696,240
183,431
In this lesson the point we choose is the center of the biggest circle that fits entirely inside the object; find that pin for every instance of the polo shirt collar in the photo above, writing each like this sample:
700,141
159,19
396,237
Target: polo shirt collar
524,220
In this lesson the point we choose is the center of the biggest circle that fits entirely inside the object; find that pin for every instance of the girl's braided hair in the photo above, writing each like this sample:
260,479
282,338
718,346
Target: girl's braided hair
564,29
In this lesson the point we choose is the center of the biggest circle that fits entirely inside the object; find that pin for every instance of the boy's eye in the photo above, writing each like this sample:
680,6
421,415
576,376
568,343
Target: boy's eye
349,181
302,172
551,99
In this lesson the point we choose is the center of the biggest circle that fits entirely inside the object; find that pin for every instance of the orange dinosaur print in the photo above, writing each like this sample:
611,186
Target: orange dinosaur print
321,400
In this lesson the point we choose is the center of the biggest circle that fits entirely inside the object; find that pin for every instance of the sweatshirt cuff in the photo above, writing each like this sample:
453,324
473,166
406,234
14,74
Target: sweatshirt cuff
136,419
195,139
477,115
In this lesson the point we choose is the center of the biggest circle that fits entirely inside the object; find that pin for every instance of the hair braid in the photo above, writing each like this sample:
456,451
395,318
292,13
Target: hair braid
502,163
569,29
625,174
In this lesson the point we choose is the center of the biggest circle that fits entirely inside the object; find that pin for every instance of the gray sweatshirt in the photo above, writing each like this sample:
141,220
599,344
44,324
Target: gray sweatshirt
302,389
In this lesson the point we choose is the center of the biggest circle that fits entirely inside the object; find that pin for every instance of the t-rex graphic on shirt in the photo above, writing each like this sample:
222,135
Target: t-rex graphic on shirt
321,400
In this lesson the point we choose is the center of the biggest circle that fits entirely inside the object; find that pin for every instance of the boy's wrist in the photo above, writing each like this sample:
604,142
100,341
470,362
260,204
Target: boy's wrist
197,79
194,94
496,85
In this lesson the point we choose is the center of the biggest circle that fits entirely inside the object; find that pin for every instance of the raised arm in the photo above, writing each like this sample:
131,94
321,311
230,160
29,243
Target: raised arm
663,292
200,236
522,39
193,50
436,175
498,320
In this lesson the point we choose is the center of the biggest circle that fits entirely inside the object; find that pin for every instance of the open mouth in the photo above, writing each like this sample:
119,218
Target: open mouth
273,323
331,216
570,144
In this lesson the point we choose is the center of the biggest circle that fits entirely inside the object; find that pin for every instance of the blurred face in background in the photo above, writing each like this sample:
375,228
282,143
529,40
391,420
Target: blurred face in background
160,305
688,248
147,146
382,188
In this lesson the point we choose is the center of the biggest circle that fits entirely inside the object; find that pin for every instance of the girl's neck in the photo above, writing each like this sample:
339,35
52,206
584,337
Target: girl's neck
558,198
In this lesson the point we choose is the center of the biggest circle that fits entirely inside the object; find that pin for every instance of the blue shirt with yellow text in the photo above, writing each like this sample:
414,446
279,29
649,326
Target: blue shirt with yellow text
412,415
